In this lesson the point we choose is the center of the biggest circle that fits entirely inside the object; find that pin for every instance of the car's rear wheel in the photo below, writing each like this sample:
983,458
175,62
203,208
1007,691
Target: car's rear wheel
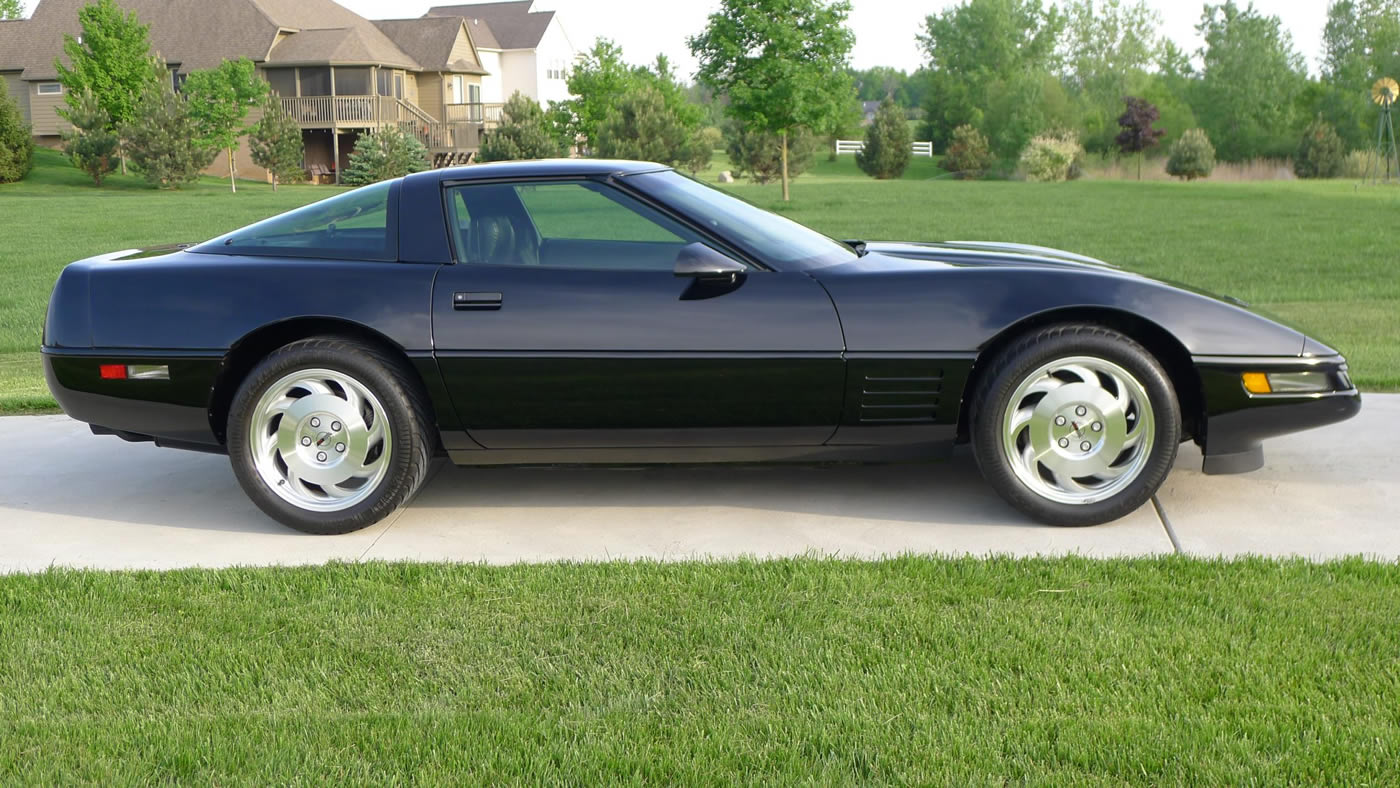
329,435
1075,425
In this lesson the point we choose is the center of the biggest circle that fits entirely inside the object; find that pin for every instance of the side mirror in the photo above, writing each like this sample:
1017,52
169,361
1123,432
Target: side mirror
698,261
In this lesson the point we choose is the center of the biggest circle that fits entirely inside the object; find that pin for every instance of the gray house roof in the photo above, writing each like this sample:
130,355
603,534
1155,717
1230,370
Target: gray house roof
429,40
512,24
201,33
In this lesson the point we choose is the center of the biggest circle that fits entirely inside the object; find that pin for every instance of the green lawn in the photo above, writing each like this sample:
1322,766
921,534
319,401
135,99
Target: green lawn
911,671
1321,255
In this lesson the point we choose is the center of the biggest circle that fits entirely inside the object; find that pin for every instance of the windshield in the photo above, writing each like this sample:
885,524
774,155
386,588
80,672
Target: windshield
767,236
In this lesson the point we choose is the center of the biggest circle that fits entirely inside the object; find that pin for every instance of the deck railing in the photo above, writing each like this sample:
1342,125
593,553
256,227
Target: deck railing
488,114
322,111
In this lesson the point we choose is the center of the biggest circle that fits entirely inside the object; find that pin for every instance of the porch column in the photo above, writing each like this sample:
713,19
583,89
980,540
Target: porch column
335,152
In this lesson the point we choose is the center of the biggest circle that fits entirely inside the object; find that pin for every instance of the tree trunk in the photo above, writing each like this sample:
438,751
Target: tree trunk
274,183
785,170
232,184
1139,165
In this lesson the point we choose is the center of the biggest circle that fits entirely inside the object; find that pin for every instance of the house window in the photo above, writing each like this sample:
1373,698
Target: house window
351,81
177,80
474,94
49,88
316,81
283,81
384,80
457,83
398,84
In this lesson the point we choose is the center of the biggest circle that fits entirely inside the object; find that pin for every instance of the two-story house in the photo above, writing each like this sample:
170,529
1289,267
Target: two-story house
338,74
521,49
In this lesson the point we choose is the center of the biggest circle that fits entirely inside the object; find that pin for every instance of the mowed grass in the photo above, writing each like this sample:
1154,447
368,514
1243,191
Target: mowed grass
1319,255
910,671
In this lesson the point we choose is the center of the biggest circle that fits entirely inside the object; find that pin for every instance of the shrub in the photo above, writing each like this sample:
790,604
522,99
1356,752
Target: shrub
887,143
1054,156
1192,156
276,145
90,144
702,148
1357,163
16,141
387,152
524,133
1321,153
162,141
642,127
969,156
758,154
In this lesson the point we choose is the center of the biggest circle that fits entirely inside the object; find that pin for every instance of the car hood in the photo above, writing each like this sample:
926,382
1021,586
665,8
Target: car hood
987,253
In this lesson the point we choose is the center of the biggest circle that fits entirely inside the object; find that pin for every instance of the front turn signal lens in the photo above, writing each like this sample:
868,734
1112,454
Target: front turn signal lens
1257,383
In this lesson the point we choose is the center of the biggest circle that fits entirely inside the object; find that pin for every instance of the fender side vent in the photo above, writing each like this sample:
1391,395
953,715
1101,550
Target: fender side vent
900,400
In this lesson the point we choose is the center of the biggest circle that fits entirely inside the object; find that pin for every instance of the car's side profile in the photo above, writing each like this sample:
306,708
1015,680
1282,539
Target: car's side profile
587,311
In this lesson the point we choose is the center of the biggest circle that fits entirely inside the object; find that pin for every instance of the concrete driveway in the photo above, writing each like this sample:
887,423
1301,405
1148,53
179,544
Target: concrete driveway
69,498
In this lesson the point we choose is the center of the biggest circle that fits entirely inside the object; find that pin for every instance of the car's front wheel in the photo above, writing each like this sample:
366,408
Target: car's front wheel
329,435
1075,425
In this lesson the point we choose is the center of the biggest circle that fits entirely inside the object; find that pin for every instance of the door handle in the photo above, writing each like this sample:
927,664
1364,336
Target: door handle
476,301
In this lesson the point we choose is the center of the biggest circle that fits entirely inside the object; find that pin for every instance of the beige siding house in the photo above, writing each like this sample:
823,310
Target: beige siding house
338,74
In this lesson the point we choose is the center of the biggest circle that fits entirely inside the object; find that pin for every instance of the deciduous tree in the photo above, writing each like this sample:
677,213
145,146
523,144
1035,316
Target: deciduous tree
112,59
781,63
1251,79
11,9
1137,133
219,100
984,50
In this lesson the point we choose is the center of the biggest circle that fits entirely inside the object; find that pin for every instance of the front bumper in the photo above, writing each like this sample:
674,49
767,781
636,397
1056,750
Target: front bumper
1237,422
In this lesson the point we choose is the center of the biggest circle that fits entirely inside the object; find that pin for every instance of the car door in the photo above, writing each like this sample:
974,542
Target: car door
564,325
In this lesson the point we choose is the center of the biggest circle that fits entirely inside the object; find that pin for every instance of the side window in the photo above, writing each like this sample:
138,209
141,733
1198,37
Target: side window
351,226
570,224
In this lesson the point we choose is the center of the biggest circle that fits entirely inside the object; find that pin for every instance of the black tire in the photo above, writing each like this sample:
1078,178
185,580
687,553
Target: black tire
389,380
1009,368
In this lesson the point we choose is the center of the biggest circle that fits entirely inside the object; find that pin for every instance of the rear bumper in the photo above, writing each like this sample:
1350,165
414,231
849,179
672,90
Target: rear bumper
172,412
1237,422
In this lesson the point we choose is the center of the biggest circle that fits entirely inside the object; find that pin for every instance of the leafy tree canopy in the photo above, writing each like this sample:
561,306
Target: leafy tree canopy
113,61
780,63
219,100
276,144
524,133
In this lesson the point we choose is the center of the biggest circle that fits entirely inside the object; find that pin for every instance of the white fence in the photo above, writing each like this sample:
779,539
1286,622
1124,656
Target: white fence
856,146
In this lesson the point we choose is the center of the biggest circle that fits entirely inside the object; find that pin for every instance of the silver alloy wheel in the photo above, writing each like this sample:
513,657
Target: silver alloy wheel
320,439
1078,430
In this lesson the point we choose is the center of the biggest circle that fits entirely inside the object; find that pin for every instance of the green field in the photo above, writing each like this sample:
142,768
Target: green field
1321,255
909,671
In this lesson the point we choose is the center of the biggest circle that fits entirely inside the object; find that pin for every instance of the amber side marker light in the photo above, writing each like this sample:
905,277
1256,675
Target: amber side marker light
1257,383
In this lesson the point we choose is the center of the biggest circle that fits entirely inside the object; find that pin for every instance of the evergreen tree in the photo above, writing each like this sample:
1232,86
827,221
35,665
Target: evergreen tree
702,148
887,143
758,154
162,140
276,144
524,133
388,152
16,141
641,127
90,144
1321,153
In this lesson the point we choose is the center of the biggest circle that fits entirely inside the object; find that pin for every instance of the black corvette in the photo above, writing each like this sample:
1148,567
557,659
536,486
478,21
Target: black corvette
589,311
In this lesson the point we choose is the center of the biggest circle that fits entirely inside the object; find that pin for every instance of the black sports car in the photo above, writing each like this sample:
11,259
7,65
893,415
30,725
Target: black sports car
589,311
